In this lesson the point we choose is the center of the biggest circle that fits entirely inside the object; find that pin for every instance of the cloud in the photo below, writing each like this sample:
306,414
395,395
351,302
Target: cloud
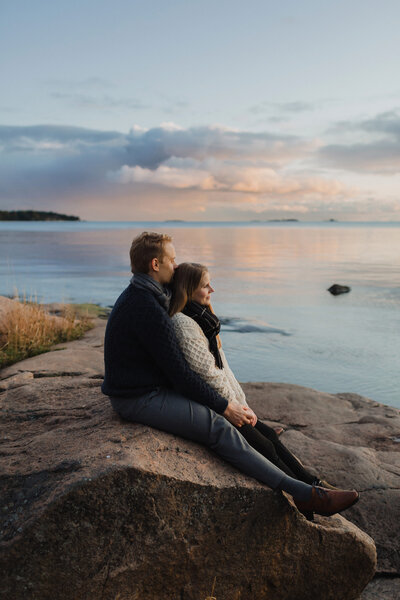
89,82
228,177
96,93
103,102
378,151
152,170
66,138
284,107
152,148
295,107
381,157
387,122
166,176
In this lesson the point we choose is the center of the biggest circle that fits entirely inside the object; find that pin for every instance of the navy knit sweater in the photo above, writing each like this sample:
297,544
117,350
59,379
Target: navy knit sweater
141,353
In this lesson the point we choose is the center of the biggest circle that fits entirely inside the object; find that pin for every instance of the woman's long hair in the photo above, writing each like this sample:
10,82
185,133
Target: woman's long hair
186,280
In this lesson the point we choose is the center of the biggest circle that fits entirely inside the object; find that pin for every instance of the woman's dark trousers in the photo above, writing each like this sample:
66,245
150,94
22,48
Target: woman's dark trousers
266,442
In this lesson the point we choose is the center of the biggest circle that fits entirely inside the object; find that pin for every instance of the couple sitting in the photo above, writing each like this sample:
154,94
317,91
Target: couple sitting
165,367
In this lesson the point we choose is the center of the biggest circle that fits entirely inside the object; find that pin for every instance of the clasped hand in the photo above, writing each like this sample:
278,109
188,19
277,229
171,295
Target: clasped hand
239,415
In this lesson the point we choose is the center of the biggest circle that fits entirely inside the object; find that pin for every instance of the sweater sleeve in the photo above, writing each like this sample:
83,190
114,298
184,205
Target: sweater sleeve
154,330
233,382
195,348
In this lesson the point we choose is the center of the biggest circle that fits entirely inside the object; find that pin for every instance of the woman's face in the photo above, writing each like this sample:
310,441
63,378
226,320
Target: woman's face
203,293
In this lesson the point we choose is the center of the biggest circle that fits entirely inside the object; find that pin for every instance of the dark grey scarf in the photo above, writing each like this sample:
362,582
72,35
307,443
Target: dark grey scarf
145,282
210,325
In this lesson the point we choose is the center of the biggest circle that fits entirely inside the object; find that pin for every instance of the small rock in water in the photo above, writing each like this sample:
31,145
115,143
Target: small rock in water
337,289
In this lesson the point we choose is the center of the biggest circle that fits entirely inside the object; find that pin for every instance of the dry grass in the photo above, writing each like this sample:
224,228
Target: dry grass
212,597
28,329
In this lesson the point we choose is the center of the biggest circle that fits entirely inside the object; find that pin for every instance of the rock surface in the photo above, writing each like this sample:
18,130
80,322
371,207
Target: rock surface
98,508
351,442
382,588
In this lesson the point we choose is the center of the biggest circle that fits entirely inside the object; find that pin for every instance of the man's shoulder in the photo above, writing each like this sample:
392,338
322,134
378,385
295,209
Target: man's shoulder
136,296
138,303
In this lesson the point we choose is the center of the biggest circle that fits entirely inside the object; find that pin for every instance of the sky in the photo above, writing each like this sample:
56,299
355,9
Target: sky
212,110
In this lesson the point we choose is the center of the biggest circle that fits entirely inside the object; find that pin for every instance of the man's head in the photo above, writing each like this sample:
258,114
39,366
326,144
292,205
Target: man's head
153,254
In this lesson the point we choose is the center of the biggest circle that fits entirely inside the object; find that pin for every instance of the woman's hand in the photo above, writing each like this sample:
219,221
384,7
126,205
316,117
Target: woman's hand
253,415
239,415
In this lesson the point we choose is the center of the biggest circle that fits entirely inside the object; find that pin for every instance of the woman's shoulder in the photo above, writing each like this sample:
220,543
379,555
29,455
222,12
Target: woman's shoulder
183,322
181,319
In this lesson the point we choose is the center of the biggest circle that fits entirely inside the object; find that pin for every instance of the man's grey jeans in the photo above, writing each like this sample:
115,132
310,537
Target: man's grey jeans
170,411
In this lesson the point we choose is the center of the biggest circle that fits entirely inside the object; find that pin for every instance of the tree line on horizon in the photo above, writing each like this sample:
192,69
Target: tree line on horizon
34,215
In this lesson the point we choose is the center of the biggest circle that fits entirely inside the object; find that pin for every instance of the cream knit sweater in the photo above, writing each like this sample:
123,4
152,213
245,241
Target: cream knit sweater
194,345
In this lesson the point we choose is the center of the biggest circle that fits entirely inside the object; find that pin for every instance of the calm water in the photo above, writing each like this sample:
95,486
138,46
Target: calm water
279,322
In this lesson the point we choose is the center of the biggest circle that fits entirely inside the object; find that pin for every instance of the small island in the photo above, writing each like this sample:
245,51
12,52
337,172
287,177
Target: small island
283,220
275,221
34,215
174,221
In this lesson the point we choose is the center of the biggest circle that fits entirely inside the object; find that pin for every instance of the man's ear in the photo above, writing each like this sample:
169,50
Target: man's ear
155,264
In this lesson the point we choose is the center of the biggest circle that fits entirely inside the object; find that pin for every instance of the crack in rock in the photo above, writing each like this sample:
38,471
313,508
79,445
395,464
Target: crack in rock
41,374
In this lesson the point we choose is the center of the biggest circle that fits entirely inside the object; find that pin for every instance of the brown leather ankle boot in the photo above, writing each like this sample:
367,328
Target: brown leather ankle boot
328,502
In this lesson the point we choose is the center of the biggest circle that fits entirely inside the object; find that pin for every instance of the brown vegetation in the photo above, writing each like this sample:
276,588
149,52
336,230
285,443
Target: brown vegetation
28,329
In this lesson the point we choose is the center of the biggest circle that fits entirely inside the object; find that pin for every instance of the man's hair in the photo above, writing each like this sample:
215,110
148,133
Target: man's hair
145,247
187,278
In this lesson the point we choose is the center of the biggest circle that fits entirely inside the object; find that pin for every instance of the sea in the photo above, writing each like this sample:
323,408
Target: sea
279,322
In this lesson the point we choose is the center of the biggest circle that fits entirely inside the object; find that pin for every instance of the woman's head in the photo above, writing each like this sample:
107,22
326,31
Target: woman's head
191,282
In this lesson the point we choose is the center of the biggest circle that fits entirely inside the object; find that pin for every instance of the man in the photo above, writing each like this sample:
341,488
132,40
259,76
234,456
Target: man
149,381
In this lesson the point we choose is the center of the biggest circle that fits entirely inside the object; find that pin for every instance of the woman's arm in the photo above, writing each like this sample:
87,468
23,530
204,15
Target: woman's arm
233,382
195,348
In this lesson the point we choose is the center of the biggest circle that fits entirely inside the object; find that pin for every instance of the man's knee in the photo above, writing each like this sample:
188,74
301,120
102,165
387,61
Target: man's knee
221,430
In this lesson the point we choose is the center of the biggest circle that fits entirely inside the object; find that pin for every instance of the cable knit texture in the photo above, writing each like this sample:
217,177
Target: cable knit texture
195,348
142,353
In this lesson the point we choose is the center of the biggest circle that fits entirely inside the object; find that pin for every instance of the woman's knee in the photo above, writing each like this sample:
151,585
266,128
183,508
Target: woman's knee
267,432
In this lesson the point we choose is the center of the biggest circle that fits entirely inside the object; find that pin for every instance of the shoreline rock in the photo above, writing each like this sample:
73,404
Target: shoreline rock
90,498
336,289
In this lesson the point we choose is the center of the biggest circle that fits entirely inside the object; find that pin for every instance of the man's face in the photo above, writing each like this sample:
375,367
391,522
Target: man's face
167,264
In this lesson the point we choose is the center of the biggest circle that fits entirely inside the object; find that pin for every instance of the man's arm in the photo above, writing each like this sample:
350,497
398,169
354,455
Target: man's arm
154,330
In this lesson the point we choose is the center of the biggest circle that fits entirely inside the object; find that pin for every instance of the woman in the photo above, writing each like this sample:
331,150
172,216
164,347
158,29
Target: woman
197,329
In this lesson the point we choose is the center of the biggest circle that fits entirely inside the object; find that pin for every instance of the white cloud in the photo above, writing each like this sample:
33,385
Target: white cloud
227,177
165,176
190,169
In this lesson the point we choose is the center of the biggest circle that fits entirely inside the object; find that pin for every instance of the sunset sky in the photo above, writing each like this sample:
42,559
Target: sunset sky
222,110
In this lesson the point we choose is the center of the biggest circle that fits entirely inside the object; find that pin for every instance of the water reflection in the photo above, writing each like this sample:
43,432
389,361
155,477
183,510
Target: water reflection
279,322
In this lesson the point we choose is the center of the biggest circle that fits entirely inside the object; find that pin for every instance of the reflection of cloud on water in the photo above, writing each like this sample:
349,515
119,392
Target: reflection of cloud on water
236,325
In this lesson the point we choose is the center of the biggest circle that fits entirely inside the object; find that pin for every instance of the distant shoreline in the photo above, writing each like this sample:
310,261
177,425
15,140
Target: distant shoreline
34,215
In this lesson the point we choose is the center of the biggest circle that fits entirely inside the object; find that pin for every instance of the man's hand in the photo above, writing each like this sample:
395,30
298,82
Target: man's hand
239,415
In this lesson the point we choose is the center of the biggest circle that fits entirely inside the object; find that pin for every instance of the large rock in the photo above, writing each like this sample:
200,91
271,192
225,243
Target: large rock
95,507
350,441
